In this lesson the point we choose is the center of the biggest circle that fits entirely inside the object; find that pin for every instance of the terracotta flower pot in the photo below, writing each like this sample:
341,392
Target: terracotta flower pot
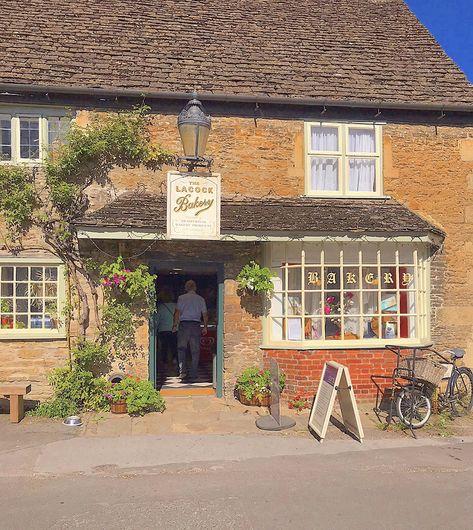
119,407
255,401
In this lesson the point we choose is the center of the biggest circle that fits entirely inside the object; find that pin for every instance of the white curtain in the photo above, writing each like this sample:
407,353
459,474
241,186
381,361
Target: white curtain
362,174
361,141
324,174
324,139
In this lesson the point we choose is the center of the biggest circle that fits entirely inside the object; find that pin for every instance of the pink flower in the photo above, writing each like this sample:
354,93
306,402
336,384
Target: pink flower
330,299
327,310
127,270
349,295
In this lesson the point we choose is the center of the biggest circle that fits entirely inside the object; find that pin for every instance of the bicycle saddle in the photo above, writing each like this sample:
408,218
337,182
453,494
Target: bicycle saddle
456,353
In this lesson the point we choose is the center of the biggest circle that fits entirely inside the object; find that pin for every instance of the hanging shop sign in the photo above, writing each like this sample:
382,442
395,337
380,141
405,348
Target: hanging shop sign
335,382
193,206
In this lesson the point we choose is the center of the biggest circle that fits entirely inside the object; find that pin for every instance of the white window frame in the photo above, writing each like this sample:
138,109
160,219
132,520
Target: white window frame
32,334
421,266
44,116
344,156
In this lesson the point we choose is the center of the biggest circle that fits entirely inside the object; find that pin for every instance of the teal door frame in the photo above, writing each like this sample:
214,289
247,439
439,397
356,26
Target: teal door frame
200,267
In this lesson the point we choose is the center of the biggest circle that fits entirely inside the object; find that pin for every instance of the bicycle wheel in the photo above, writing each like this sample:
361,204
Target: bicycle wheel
461,391
413,408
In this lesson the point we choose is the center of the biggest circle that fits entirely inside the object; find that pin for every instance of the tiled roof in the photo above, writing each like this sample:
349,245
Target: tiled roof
298,216
367,50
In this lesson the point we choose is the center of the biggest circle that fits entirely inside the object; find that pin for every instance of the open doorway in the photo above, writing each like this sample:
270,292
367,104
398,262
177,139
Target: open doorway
169,286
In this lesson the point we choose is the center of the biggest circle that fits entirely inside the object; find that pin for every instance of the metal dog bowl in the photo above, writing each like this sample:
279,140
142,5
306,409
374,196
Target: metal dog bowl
73,421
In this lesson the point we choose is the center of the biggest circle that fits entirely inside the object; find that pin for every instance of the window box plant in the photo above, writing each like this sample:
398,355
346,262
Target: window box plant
253,386
254,279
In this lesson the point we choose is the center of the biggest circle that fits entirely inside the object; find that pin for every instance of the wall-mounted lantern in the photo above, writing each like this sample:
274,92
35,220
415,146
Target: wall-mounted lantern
194,128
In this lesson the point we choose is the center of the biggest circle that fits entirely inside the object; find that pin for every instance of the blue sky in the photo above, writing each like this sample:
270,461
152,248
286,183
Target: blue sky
451,23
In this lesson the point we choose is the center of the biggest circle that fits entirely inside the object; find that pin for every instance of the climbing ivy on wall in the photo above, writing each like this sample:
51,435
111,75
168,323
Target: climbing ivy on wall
53,196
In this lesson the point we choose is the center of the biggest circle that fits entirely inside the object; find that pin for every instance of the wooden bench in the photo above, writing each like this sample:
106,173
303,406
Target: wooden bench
15,391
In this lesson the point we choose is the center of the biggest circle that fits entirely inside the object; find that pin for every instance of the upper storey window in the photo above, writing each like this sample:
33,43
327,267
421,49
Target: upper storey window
26,137
343,159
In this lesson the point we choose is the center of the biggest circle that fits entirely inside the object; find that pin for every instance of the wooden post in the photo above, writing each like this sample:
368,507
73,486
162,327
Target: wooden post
17,409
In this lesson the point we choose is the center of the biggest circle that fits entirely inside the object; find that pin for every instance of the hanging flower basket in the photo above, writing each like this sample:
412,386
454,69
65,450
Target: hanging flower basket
119,407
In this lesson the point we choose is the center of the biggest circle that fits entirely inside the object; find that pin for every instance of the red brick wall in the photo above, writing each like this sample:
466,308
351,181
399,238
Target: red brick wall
303,369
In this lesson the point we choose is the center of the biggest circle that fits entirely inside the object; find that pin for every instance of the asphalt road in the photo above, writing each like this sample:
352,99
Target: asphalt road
411,486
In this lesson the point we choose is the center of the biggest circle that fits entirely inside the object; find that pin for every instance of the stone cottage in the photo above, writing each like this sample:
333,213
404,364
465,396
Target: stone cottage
343,137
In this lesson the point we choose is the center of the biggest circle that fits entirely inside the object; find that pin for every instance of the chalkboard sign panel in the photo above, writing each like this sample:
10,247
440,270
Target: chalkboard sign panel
335,382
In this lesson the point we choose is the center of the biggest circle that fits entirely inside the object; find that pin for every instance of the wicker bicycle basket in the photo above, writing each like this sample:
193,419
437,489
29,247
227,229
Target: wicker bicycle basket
425,369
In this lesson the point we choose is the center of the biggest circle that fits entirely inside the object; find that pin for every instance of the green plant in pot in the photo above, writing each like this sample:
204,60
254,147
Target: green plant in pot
253,386
255,279
135,396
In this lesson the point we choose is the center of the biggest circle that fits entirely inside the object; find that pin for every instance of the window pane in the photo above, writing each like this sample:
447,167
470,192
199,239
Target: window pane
324,139
7,274
313,303
324,174
6,289
362,174
5,139
21,321
294,278
50,274
294,329
351,278
29,138
361,140
294,304
313,328
21,274
57,130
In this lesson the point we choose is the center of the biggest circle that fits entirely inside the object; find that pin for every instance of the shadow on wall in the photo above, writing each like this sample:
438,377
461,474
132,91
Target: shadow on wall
254,304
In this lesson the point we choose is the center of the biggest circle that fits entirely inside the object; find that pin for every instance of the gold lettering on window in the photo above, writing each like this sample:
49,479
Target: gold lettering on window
351,277
331,278
369,278
313,278
407,278
388,278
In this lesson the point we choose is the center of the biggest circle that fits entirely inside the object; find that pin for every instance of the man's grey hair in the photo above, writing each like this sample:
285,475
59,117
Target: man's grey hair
190,286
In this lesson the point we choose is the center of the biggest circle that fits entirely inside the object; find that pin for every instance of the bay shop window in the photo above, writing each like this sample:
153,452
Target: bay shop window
343,159
31,299
364,293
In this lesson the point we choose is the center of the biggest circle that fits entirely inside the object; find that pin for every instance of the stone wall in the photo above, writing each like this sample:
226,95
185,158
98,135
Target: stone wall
426,167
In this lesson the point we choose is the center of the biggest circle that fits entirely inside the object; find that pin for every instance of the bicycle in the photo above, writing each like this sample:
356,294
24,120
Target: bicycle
413,386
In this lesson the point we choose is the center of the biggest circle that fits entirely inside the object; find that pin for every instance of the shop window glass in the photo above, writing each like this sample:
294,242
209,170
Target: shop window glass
378,299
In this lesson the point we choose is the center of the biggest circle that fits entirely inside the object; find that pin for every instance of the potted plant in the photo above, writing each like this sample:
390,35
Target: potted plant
254,279
253,386
116,395
135,396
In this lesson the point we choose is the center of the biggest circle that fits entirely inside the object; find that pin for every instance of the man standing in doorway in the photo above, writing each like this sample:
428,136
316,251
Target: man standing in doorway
190,308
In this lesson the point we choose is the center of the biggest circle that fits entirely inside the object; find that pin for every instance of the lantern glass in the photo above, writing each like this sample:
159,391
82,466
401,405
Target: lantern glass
194,138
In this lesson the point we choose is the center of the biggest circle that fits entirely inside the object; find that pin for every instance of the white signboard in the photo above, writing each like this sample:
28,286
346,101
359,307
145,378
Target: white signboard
335,382
193,206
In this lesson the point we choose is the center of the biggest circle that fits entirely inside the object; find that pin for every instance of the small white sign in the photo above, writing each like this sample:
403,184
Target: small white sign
193,206
336,382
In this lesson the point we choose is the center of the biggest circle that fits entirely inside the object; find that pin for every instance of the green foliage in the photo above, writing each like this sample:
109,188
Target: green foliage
18,199
140,396
76,388
118,329
90,152
255,279
299,403
131,286
56,408
254,382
